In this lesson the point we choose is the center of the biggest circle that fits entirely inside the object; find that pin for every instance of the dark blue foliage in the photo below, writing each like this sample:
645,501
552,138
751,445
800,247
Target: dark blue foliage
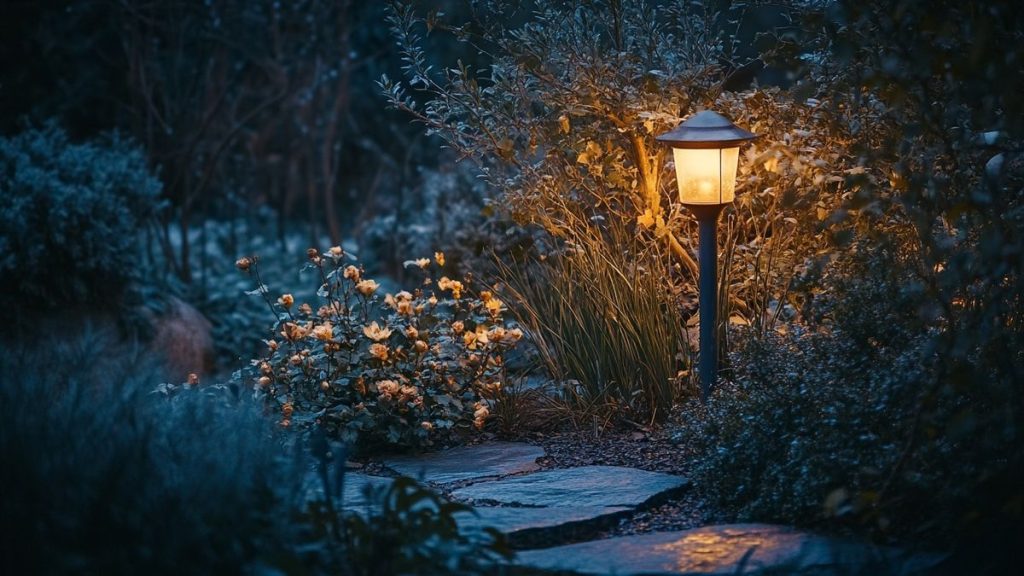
70,216
101,476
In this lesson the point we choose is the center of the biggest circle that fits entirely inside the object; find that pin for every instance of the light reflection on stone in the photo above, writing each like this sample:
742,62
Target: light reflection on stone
724,550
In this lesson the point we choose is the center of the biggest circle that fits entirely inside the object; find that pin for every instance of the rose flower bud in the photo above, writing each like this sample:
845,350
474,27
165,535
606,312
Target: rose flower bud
243,264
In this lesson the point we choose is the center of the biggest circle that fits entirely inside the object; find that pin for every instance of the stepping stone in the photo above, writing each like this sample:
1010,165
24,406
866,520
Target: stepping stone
510,521
469,462
721,550
576,487
356,484
354,495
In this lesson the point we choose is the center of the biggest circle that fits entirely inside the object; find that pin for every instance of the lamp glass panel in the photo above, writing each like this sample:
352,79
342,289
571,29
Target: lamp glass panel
706,176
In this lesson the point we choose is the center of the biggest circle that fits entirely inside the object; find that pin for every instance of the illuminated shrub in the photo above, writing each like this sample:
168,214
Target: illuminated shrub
562,125
402,369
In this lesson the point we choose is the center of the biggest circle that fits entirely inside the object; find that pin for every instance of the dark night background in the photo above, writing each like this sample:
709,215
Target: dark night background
161,159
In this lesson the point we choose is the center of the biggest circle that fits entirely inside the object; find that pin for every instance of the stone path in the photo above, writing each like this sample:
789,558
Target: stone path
540,509
725,550
469,462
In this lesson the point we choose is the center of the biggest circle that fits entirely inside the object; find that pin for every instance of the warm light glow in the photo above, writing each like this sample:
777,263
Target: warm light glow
706,175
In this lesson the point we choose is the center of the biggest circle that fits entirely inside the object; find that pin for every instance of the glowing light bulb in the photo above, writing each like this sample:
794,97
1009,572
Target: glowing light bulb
706,176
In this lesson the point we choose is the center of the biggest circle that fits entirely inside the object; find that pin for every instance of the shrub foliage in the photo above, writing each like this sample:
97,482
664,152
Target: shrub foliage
70,216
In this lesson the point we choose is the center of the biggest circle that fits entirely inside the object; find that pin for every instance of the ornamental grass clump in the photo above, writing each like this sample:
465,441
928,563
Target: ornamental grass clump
407,369
604,325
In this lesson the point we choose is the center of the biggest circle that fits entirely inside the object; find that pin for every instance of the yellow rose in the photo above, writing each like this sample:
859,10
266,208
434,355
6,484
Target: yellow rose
375,332
379,351
367,287
494,306
324,332
387,389
405,307
496,334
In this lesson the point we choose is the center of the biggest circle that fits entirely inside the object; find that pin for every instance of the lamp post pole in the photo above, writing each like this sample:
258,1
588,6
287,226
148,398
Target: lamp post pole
707,221
706,152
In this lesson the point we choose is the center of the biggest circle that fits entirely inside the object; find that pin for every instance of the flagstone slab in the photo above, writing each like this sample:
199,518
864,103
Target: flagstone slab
576,487
355,496
721,550
491,460
510,520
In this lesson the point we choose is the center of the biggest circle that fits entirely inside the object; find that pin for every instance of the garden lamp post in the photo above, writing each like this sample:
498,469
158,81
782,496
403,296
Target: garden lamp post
706,150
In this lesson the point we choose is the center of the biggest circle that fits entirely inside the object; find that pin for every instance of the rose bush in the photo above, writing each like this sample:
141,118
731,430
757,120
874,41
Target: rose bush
405,370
